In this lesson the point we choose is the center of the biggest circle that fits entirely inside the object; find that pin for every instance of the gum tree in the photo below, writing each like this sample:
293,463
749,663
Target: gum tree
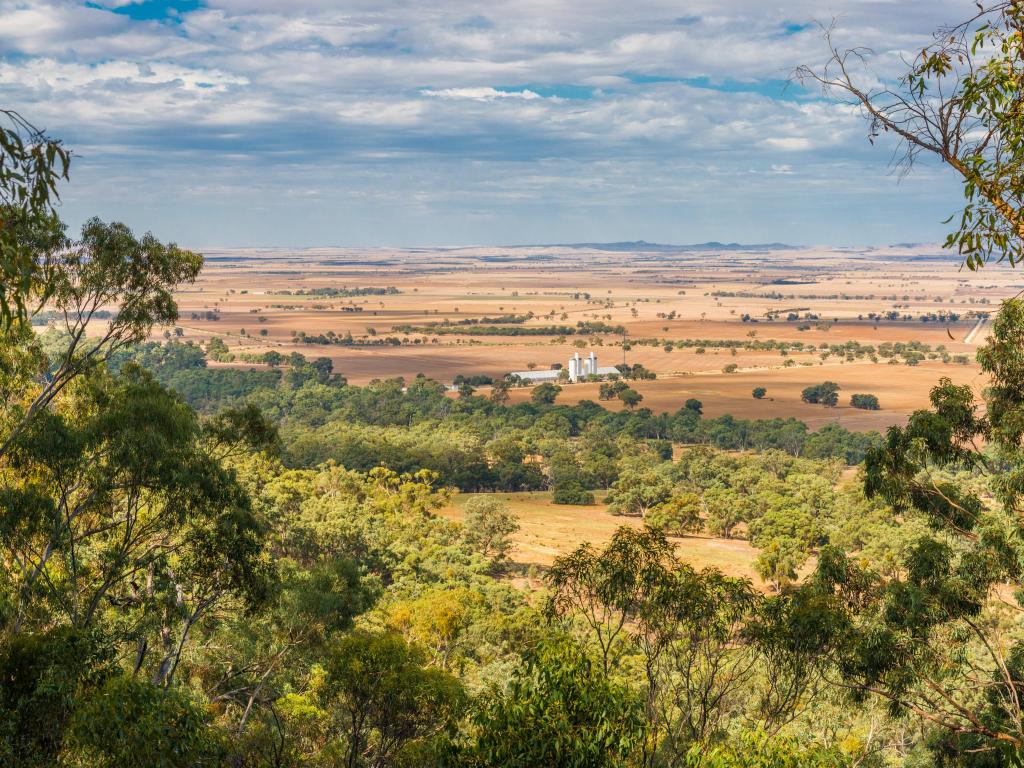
31,166
958,100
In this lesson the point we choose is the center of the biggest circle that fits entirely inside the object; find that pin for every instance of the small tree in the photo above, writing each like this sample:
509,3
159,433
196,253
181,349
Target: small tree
778,562
570,490
379,697
611,389
694,405
826,393
559,710
488,527
499,392
545,394
865,402
759,393
644,483
630,398
679,515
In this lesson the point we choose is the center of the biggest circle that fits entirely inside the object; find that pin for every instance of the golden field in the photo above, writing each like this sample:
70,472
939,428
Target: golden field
663,295
548,530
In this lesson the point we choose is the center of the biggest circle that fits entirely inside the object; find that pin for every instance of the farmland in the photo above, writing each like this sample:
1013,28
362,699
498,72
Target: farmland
777,317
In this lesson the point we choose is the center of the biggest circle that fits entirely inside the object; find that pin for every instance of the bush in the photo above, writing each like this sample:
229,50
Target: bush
678,515
759,393
630,398
545,394
826,393
488,526
571,492
865,402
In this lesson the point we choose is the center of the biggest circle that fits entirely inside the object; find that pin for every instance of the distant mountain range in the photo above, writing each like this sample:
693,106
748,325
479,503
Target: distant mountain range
643,245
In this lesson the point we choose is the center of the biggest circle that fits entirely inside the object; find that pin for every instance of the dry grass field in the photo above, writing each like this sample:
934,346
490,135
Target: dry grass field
257,301
251,299
548,530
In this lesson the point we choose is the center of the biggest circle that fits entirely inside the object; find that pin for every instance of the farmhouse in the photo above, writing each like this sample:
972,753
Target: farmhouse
578,368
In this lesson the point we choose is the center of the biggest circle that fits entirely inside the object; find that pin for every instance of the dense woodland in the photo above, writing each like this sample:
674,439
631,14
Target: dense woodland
207,566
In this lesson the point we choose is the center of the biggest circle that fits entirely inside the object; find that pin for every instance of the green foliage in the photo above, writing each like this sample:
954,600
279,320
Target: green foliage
489,526
630,398
43,676
865,402
645,482
701,646
956,100
835,441
559,711
568,490
107,266
755,750
123,480
826,393
545,394
759,393
611,389
778,562
381,701
128,723
679,514
31,166
928,629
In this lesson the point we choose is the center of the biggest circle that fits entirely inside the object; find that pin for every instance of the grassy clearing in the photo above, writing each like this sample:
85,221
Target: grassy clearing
548,530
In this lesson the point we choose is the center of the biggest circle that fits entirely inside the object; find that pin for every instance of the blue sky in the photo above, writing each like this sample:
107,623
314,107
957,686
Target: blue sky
401,122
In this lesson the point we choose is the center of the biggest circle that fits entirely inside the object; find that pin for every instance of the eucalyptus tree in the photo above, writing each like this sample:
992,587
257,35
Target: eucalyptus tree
108,282
940,637
958,100
31,166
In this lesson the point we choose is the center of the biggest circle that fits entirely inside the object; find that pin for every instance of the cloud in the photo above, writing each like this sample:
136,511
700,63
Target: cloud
482,94
788,143
545,112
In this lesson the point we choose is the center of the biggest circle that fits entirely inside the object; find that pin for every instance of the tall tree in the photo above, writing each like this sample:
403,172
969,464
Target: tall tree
934,639
108,270
959,100
31,166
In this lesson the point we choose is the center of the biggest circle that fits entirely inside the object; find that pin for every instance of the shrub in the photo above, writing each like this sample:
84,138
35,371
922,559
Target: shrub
545,394
571,492
826,393
630,398
865,402
759,393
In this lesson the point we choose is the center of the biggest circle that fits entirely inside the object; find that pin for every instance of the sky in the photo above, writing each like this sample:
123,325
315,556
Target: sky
446,122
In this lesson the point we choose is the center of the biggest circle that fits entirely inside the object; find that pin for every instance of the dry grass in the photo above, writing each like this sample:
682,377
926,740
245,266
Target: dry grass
549,530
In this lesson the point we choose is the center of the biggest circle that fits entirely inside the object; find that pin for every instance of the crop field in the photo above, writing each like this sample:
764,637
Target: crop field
711,322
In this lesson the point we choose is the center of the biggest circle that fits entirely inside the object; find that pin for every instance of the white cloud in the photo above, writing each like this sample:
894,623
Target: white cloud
581,97
482,94
788,143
